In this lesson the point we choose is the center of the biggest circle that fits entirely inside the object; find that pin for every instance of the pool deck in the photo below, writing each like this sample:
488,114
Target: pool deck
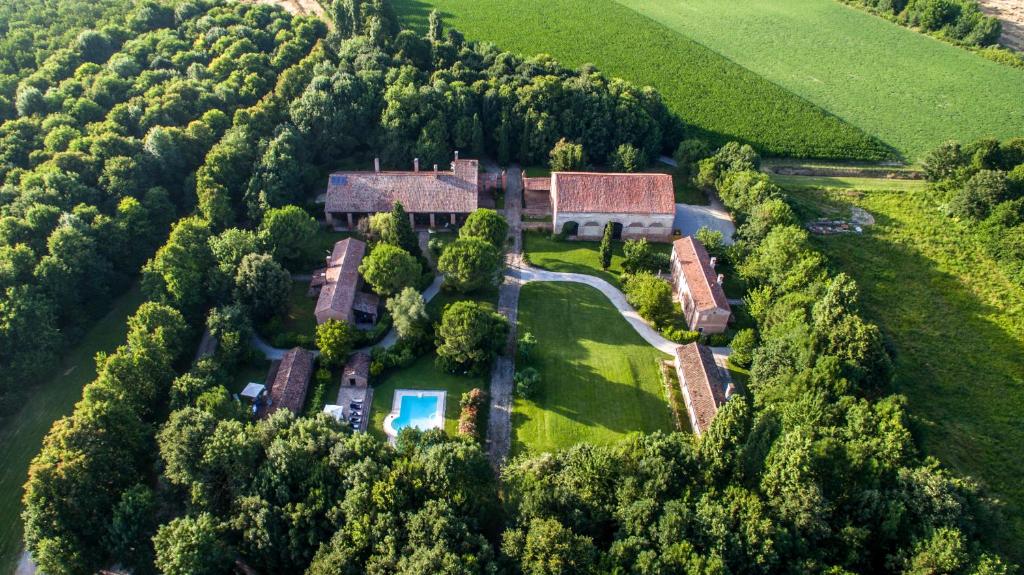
396,408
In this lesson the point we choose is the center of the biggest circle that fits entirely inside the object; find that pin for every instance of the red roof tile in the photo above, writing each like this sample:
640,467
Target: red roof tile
420,192
576,192
358,365
288,391
701,381
698,274
341,279
537,184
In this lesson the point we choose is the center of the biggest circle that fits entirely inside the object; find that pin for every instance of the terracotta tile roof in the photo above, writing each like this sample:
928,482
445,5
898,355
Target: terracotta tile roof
696,365
341,279
420,192
358,365
366,303
288,391
537,184
613,193
698,274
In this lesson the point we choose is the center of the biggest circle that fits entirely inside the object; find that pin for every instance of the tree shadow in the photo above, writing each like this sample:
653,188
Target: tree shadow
957,343
600,380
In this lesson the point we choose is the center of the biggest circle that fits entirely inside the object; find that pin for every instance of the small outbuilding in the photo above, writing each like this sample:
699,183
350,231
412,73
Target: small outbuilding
357,371
704,389
341,283
291,382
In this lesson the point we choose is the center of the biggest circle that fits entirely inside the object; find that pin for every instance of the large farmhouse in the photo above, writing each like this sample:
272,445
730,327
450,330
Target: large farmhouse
340,295
583,203
432,198
700,380
697,288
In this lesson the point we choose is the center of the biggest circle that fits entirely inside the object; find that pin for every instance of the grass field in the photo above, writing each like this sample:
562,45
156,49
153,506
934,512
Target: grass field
22,434
764,71
720,98
422,374
911,91
957,327
847,183
600,380
576,256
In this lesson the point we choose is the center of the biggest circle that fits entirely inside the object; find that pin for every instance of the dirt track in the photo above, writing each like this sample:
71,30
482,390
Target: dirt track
1011,12
297,6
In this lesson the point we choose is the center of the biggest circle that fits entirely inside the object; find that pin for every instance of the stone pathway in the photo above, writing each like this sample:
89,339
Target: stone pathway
499,426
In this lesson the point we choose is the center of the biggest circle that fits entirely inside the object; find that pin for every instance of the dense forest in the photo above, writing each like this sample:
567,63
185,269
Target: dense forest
222,119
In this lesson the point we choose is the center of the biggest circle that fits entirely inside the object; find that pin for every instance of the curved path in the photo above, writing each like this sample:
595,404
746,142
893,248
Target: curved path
529,274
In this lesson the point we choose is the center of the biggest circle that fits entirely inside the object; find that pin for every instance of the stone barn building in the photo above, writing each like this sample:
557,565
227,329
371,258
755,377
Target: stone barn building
340,297
357,370
701,382
432,198
290,383
637,205
698,288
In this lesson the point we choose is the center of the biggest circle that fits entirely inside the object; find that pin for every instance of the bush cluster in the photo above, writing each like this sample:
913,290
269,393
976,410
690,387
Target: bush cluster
472,403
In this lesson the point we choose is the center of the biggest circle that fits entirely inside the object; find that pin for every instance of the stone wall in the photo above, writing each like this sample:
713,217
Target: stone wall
655,227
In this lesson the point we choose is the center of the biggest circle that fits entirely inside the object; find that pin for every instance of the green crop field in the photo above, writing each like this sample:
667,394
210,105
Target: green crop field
600,380
724,100
764,71
22,433
957,329
907,89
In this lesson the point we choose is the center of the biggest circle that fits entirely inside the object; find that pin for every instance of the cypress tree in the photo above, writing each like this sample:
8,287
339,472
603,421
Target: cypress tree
606,246
403,227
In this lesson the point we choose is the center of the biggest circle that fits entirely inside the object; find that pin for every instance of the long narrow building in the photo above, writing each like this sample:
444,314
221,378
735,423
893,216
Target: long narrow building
700,380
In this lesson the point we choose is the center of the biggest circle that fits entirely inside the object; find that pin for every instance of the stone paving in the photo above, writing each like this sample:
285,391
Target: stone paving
499,426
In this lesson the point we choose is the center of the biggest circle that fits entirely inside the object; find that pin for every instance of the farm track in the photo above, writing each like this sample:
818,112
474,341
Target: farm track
1011,13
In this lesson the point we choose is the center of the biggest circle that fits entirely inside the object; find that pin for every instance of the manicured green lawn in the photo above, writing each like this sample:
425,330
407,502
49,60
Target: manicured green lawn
957,328
22,433
907,89
576,256
600,380
422,374
864,184
718,98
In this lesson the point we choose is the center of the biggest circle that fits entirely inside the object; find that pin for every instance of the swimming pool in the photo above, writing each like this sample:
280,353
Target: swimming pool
415,408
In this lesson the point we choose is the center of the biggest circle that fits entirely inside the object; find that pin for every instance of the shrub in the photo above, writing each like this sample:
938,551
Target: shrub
627,158
527,382
566,156
605,250
526,344
472,404
679,334
651,296
639,256
743,344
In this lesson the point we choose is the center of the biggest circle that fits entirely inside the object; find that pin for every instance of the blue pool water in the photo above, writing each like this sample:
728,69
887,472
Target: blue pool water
418,412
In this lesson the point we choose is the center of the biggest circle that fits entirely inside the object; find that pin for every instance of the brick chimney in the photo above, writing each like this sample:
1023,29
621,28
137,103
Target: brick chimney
415,164
456,154
376,165
721,278
729,390
714,262
435,168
